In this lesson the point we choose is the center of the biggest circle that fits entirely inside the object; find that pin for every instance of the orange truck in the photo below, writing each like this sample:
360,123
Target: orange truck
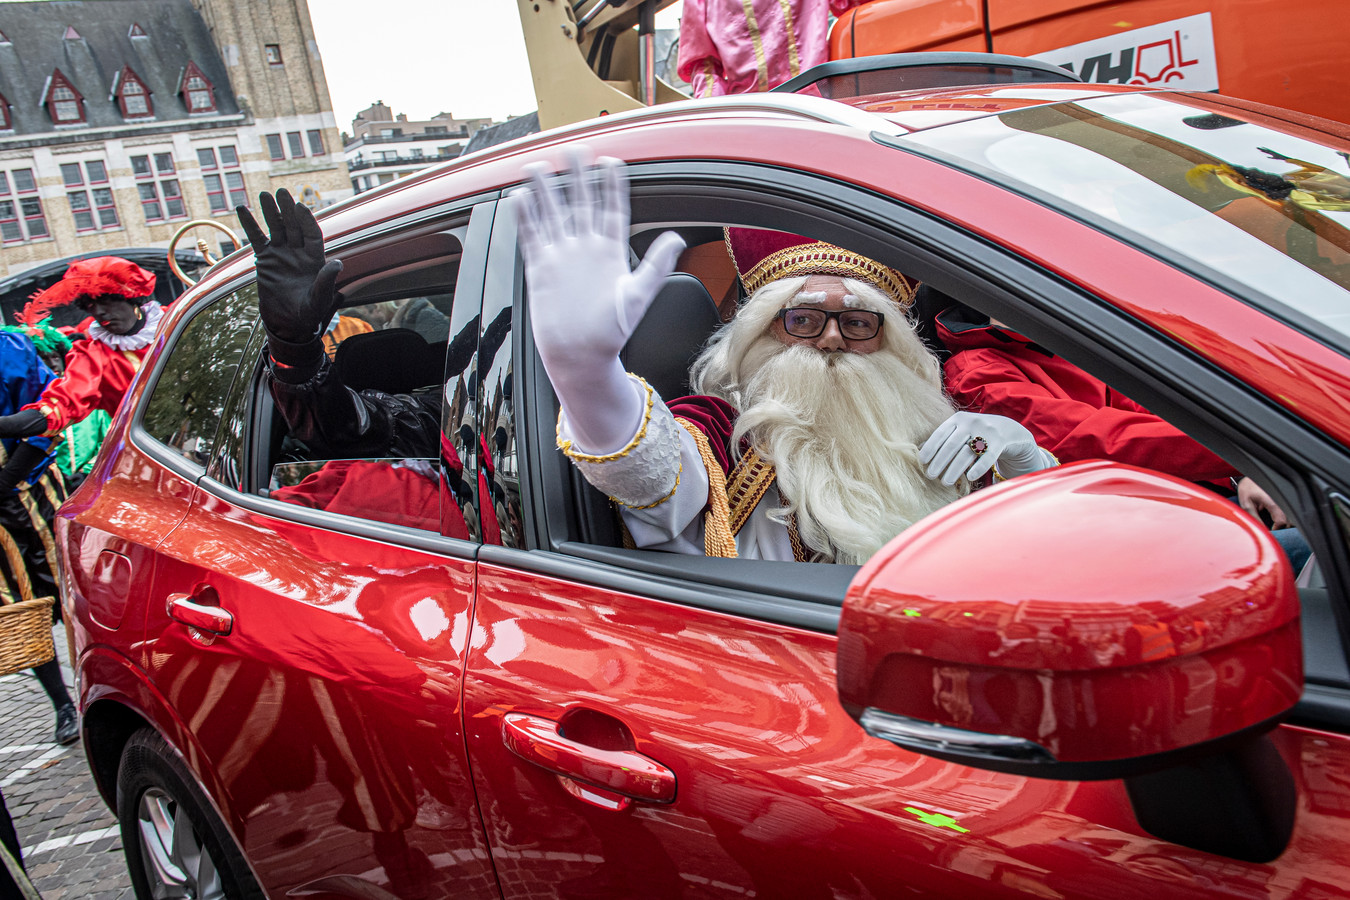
1288,53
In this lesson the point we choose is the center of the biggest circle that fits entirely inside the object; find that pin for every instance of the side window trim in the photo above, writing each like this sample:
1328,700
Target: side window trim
473,278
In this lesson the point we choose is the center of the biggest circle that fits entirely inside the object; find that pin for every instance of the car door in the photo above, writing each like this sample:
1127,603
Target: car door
659,725
312,613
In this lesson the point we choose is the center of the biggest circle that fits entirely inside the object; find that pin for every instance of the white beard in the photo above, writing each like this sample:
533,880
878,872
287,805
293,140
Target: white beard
843,430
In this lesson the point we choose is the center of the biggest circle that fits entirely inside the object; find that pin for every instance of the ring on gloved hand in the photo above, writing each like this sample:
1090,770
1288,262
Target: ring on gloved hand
978,445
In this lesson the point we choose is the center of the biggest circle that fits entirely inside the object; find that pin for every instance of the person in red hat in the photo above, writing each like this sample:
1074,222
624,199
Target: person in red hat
821,429
117,294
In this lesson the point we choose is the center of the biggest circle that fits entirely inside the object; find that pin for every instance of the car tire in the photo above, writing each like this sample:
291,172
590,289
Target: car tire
175,843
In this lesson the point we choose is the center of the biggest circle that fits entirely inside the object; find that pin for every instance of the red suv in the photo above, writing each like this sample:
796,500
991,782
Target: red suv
443,674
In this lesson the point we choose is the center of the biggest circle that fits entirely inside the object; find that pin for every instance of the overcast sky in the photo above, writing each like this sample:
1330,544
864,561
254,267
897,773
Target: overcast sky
422,57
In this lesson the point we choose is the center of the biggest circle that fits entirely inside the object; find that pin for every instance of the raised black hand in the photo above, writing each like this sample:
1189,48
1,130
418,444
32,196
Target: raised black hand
296,295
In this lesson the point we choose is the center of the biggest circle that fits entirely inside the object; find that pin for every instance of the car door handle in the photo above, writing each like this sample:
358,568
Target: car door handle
184,609
623,772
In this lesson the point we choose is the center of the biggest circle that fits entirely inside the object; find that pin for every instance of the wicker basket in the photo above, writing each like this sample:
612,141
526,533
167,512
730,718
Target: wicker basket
26,634
26,624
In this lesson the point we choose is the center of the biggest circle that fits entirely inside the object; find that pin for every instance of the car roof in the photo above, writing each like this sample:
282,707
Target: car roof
891,115
916,110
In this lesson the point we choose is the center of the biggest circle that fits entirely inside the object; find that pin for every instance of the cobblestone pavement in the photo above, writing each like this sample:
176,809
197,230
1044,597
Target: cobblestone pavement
71,845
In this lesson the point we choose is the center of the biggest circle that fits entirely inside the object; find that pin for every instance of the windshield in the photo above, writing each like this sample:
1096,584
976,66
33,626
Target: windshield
1267,209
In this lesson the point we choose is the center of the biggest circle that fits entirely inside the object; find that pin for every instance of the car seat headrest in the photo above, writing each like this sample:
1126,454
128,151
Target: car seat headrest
670,335
395,361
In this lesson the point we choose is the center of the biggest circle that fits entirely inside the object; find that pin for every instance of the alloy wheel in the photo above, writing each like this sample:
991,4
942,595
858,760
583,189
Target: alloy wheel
177,863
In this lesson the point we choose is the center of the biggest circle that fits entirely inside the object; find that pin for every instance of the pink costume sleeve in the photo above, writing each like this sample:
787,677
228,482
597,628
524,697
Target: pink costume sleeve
743,46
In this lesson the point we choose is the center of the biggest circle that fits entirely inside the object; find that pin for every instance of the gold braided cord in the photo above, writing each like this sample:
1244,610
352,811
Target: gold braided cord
566,446
820,258
718,539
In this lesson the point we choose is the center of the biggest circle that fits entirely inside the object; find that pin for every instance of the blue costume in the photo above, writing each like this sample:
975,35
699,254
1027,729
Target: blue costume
25,375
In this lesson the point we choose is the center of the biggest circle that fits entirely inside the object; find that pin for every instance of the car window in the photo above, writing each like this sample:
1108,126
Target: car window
188,398
394,366
364,439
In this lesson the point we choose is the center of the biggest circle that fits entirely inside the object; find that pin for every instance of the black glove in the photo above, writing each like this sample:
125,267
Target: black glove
296,296
20,463
24,423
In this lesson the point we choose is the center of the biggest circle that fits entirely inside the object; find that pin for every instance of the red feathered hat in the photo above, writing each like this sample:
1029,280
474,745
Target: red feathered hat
92,278
763,256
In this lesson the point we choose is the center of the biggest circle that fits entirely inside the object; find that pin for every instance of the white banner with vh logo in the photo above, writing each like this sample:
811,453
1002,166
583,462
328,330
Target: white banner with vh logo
1177,54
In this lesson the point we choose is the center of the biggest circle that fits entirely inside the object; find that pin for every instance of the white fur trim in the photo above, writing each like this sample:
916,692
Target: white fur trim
137,341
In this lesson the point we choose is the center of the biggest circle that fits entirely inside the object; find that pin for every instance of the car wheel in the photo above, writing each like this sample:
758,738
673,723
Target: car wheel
175,844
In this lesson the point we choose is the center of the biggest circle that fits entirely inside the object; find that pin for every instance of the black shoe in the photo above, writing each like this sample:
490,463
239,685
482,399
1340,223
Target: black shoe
67,725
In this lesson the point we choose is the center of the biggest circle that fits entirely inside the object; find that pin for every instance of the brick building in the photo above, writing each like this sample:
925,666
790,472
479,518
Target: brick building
121,120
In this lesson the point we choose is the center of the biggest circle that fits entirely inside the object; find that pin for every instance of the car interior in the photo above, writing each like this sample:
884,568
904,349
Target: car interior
396,355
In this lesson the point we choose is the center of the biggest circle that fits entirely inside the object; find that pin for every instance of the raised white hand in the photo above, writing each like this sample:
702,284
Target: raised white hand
584,300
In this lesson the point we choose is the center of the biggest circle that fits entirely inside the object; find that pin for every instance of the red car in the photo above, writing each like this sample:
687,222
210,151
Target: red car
443,674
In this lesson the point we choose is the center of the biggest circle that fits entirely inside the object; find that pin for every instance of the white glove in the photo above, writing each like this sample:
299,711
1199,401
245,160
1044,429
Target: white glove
948,453
584,300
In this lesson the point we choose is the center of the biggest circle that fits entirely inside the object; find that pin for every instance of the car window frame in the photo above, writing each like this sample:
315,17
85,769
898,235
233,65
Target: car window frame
1086,330
476,213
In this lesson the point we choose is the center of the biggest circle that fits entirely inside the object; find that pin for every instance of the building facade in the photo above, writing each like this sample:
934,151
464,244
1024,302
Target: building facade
122,120
384,146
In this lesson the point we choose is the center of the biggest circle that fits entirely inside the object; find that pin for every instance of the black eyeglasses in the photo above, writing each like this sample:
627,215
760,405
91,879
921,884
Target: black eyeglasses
810,322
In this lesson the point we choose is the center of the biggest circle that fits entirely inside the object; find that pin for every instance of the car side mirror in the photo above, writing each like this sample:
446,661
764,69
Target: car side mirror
1094,621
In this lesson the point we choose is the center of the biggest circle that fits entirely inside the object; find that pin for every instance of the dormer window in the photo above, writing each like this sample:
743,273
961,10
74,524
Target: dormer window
6,123
71,34
3,39
132,95
136,30
64,104
199,96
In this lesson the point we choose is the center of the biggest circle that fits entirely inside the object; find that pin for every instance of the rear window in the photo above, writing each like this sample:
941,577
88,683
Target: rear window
1267,209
